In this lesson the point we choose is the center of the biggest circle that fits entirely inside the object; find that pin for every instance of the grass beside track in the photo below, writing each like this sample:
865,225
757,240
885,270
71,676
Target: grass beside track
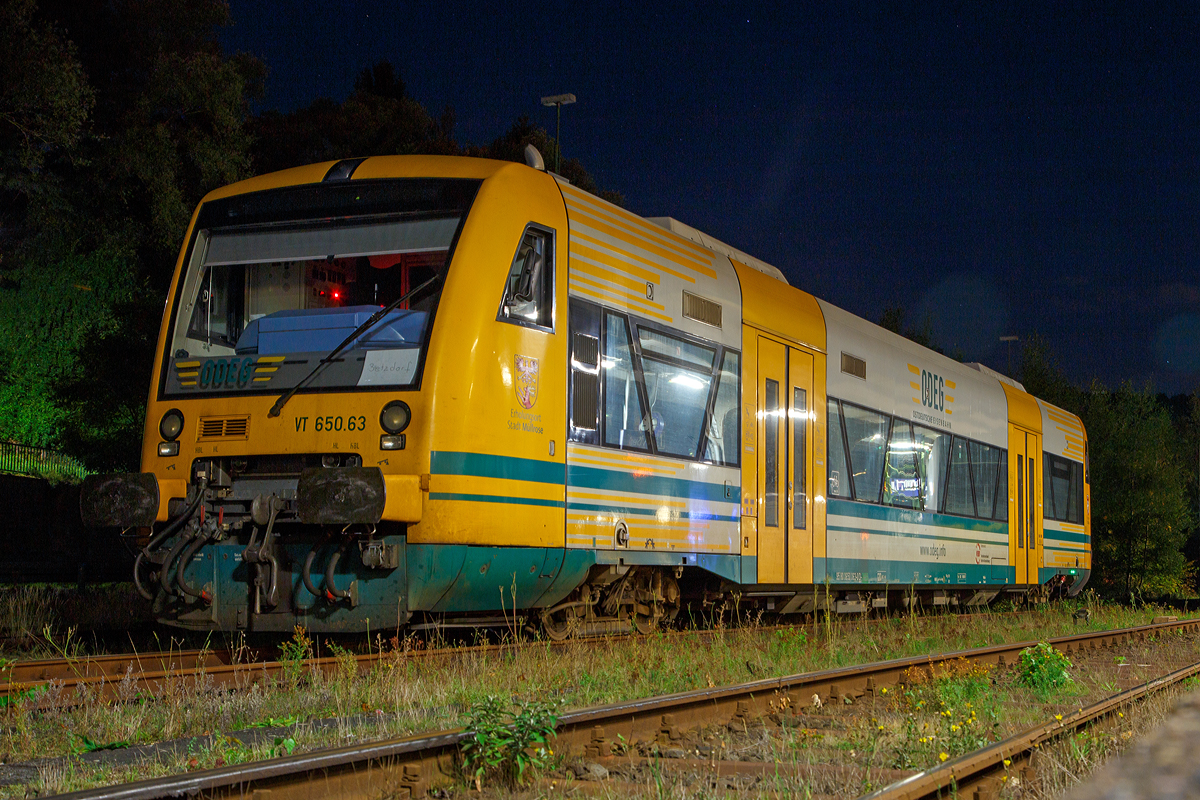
400,697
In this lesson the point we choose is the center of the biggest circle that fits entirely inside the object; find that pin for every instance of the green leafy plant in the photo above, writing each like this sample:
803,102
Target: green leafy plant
284,745
86,745
507,741
292,654
1044,669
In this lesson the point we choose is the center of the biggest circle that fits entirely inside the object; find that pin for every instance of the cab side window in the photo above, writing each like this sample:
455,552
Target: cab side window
529,289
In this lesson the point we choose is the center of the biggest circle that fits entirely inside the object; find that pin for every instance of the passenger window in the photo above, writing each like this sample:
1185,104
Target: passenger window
839,476
1001,512
985,464
724,436
1057,477
1075,509
677,375
901,486
931,449
623,415
867,434
959,497
529,290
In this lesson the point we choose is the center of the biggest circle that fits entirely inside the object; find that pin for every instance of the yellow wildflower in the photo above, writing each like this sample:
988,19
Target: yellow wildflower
1008,762
943,756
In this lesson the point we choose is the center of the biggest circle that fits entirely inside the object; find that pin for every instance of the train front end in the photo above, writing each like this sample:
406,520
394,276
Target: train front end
290,423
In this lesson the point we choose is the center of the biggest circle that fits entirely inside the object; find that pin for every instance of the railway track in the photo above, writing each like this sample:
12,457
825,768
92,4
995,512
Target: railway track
117,677
982,774
409,767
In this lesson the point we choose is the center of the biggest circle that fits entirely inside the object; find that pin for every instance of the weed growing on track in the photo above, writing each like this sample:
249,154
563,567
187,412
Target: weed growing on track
508,741
947,710
1044,669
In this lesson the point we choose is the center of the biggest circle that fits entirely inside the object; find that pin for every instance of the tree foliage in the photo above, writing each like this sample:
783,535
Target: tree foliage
115,118
1139,476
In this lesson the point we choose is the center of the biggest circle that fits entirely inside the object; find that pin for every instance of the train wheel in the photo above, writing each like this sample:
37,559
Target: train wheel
656,599
558,626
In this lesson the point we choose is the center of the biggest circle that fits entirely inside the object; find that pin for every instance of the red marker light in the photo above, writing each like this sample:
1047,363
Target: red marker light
337,295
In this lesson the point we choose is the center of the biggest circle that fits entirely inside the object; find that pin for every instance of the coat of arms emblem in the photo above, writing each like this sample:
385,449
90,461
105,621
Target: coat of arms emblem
526,383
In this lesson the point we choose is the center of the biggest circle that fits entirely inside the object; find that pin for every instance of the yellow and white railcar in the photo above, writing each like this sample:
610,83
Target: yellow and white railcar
456,388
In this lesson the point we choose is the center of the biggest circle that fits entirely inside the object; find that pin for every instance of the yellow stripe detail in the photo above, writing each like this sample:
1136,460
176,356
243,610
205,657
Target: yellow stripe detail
914,370
621,459
948,411
949,399
599,296
186,364
951,385
266,369
579,265
599,463
652,230
632,297
256,380
916,400
271,359
187,383
915,385
189,374
583,218
620,259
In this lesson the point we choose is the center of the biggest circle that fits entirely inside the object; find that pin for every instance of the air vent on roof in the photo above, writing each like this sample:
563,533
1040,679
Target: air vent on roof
853,365
223,428
701,310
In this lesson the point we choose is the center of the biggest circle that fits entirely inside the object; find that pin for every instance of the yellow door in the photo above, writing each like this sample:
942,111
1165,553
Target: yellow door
1024,480
799,472
772,461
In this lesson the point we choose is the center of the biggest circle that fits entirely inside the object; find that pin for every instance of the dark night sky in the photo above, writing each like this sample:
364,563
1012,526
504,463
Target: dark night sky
1004,171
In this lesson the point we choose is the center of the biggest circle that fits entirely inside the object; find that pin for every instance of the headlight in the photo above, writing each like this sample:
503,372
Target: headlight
395,416
171,425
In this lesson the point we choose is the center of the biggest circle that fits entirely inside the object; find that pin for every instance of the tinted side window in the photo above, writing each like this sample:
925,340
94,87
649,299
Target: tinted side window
1075,509
932,449
724,436
623,414
985,465
839,475
866,434
901,485
1001,512
677,375
529,288
959,496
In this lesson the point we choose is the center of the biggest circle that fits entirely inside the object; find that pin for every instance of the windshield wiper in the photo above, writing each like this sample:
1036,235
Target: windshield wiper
359,331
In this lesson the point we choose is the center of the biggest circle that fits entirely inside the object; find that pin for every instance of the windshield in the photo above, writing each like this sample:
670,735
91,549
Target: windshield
261,305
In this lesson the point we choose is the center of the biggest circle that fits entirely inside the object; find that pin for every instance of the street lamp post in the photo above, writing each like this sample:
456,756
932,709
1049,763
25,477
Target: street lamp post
1010,340
558,101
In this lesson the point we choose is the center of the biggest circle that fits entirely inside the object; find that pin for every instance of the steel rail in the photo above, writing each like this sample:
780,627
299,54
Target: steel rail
983,771
38,671
108,677
408,767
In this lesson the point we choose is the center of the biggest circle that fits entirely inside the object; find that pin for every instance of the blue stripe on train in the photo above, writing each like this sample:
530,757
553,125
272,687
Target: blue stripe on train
850,508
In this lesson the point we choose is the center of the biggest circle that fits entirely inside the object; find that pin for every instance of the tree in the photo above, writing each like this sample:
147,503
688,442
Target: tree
115,119
1140,514
511,147
1042,377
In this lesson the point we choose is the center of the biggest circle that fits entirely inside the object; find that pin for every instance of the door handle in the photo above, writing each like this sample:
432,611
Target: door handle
791,495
